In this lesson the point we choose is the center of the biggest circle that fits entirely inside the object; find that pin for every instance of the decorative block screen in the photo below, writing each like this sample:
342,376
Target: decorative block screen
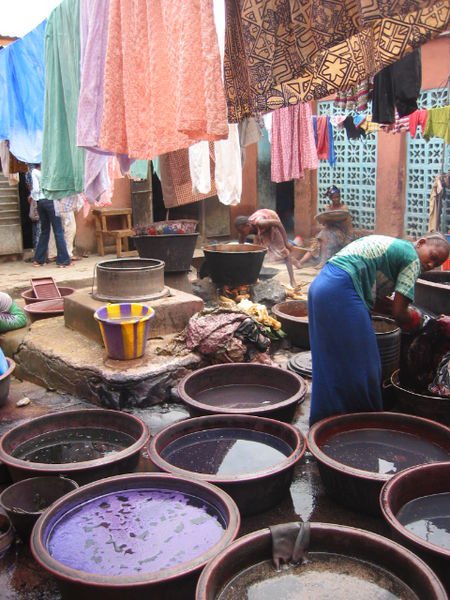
424,162
354,173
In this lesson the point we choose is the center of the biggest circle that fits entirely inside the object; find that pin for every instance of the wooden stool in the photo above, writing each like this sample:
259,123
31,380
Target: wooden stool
122,218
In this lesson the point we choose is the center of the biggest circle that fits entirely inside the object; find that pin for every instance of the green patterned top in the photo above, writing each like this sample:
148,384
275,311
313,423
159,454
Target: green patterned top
378,265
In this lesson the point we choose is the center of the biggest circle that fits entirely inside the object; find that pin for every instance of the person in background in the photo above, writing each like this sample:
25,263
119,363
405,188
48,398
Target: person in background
346,365
269,232
33,212
66,209
11,315
49,219
333,235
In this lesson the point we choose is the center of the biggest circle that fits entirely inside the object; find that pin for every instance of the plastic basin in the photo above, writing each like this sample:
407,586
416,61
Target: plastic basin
165,553
57,429
363,548
242,388
240,454
405,439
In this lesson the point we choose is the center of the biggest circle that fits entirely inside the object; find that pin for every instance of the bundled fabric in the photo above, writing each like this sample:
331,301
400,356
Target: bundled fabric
62,160
421,357
22,81
280,52
293,148
163,88
397,87
441,382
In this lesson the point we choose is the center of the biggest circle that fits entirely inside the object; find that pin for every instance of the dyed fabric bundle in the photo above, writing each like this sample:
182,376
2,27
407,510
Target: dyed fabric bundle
279,52
163,88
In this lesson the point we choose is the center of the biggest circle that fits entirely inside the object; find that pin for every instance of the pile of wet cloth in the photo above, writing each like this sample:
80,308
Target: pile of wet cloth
425,364
222,335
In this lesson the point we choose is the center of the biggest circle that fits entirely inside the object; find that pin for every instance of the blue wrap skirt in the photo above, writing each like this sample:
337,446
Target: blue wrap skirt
346,364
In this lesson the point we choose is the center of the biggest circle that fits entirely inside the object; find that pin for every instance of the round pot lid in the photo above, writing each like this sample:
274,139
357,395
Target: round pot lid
301,363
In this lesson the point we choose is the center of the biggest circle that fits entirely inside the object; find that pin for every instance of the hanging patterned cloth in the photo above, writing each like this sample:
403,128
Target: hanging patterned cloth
279,52
293,147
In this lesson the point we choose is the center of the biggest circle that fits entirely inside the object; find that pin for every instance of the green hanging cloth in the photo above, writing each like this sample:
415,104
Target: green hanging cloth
62,160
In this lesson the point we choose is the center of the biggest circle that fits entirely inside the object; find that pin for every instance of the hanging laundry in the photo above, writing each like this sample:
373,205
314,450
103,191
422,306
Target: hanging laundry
356,98
418,117
280,52
62,160
368,126
22,82
436,197
176,181
397,87
200,167
438,124
331,149
228,168
293,148
250,132
139,170
353,132
163,87
400,125
93,40
320,125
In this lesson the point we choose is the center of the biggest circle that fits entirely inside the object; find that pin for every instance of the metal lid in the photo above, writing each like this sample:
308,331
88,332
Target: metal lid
301,364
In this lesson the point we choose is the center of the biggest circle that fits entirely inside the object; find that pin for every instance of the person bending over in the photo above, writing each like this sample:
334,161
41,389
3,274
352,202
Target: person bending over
346,364
269,232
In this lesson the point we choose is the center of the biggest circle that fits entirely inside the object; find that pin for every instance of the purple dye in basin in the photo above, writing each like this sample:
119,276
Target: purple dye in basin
241,395
135,531
226,451
382,450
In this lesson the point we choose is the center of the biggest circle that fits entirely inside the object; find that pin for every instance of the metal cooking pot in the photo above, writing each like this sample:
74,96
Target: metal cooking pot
234,264
129,280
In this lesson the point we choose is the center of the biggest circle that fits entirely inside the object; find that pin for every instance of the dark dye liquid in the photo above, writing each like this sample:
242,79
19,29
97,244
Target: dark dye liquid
73,445
241,395
135,531
382,450
324,576
226,451
428,517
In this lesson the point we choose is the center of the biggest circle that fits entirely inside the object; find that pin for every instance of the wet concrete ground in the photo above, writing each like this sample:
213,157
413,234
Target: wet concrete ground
22,579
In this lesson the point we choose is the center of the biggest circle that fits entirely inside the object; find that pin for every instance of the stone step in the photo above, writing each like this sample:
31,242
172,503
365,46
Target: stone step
57,358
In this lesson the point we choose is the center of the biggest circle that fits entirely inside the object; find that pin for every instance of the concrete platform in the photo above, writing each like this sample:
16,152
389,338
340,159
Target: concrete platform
55,357
172,313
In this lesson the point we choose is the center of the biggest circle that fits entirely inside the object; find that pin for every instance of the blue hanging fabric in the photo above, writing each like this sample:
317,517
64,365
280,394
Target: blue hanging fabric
331,150
22,85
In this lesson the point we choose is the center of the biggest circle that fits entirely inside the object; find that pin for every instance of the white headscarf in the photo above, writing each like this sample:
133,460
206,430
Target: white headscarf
5,302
